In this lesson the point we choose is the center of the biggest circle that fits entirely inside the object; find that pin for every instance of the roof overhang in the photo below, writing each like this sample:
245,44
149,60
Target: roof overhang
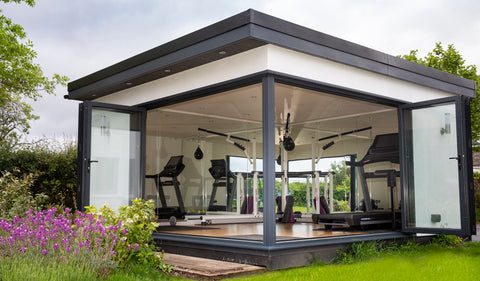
246,31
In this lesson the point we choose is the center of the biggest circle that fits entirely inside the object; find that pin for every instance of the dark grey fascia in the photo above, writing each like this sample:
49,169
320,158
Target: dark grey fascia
246,31
299,243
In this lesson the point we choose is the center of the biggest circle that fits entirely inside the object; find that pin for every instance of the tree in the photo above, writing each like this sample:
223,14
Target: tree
341,180
450,60
21,79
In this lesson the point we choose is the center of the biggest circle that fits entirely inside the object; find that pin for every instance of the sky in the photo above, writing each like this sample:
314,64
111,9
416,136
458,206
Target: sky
78,37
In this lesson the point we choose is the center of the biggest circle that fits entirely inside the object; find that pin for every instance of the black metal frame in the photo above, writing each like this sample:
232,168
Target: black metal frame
465,179
84,147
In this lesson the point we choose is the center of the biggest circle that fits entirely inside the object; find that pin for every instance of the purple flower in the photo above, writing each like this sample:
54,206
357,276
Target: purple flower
55,246
68,249
80,245
44,252
135,246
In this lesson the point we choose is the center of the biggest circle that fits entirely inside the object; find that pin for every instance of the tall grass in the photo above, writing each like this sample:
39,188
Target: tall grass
27,267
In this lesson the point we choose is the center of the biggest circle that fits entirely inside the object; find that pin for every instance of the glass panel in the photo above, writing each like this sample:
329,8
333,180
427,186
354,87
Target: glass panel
433,192
112,135
327,131
220,140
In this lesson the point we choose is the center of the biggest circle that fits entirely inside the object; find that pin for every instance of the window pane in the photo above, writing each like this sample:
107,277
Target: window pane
112,135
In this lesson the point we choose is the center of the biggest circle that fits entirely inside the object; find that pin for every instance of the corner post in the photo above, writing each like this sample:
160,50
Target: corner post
268,112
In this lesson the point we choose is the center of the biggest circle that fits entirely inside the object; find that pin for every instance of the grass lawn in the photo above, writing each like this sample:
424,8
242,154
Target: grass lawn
405,263
430,263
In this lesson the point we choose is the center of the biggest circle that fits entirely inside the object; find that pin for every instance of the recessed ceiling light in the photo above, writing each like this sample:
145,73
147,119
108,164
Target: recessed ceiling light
222,53
167,70
129,83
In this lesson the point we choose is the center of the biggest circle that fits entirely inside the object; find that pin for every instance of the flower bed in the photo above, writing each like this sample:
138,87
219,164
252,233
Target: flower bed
97,241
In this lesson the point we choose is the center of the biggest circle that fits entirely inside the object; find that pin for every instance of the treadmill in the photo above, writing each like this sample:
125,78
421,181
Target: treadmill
384,148
172,170
223,178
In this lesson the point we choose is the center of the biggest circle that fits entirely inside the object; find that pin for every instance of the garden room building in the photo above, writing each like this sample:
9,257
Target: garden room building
265,142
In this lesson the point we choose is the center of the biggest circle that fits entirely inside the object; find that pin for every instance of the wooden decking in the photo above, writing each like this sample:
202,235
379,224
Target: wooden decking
254,231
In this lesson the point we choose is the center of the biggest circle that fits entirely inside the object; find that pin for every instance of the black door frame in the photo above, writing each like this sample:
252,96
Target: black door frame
84,147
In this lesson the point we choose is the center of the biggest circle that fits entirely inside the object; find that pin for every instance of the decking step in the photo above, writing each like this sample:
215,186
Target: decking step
207,269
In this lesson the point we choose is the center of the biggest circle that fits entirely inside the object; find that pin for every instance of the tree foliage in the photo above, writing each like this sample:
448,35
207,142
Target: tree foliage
21,79
450,60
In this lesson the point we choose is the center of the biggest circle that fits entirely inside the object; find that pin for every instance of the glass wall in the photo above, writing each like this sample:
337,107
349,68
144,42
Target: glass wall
329,132
215,179
205,184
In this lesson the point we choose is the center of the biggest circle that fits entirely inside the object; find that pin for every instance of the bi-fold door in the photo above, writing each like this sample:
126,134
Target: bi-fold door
436,174
111,154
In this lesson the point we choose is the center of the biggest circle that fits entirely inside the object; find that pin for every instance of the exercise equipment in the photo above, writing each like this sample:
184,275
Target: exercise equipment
198,154
172,170
249,204
288,142
286,215
223,178
338,138
229,139
383,149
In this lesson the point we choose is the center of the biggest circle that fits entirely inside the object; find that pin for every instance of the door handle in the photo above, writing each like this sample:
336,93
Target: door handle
459,160
89,162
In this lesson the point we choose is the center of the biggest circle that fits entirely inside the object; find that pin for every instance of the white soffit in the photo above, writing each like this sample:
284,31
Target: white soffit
326,71
278,59
232,67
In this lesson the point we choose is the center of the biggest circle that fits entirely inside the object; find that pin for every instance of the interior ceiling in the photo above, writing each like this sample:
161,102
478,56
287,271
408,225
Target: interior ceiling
239,112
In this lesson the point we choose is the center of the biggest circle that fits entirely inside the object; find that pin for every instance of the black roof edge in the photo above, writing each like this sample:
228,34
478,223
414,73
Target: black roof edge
164,49
330,41
269,22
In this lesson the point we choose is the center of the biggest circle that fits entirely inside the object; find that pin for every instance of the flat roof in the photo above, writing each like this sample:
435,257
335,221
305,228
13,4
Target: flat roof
249,30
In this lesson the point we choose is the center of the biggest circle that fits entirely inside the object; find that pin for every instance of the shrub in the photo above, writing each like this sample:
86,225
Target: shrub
53,166
443,240
476,183
15,197
138,222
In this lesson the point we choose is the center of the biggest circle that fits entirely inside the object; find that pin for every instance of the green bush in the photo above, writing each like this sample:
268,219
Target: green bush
139,221
443,240
15,196
53,166
476,183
